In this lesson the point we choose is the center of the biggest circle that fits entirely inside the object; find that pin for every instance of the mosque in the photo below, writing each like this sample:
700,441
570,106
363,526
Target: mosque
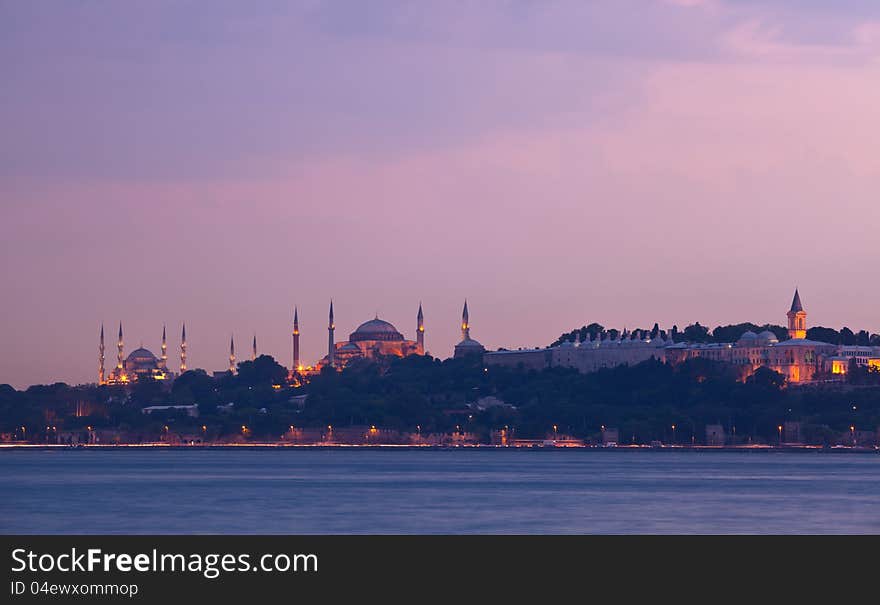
139,363
797,358
372,339
378,338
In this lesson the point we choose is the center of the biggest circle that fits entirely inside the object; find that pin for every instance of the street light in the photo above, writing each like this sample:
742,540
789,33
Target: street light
852,432
673,434
779,429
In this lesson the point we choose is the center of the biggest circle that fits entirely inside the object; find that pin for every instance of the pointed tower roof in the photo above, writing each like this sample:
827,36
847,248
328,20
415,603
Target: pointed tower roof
120,330
183,332
295,317
420,316
796,305
464,313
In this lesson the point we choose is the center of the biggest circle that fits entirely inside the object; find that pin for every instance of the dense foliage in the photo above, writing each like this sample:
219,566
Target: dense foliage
643,401
729,333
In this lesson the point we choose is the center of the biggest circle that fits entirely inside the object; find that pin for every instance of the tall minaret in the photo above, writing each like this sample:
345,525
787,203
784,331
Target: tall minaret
465,324
295,340
183,349
164,360
254,350
420,331
101,357
331,349
119,353
232,354
797,318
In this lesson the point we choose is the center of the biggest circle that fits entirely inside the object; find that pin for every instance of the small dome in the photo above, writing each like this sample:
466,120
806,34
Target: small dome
468,347
748,335
469,343
768,336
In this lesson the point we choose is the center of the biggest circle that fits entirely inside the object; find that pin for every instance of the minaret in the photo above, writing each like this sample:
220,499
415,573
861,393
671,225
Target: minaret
254,350
119,353
164,360
183,349
797,318
232,354
295,340
420,332
465,324
331,349
101,357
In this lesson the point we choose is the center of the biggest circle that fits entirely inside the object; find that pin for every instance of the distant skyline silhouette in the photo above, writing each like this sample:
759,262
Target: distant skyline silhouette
624,162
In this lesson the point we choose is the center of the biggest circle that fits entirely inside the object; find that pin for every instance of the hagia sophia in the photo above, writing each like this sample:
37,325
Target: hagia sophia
797,358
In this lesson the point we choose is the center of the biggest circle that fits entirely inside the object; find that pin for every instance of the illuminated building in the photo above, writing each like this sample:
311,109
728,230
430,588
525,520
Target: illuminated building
798,358
797,319
101,358
372,339
420,331
183,349
863,356
468,346
140,363
588,356
296,365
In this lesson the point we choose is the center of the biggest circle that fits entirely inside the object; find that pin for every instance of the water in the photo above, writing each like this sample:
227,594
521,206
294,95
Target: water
436,491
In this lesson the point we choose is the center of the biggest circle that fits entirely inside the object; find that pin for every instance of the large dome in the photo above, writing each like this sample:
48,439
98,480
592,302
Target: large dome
141,355
141,360
375,329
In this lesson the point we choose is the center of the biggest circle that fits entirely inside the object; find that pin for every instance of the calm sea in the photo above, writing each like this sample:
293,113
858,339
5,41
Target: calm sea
436,491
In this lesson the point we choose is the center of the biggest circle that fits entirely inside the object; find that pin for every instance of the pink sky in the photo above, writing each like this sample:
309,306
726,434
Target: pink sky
555,163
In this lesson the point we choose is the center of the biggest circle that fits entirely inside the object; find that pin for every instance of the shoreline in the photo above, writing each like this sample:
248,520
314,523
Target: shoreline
342,446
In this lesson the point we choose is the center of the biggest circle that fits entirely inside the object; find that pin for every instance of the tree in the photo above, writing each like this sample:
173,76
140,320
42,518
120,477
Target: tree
146,391
767,378
696,333
193,386
823,334
264,370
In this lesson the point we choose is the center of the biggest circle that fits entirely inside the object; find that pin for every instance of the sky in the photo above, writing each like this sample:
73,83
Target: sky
556,163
